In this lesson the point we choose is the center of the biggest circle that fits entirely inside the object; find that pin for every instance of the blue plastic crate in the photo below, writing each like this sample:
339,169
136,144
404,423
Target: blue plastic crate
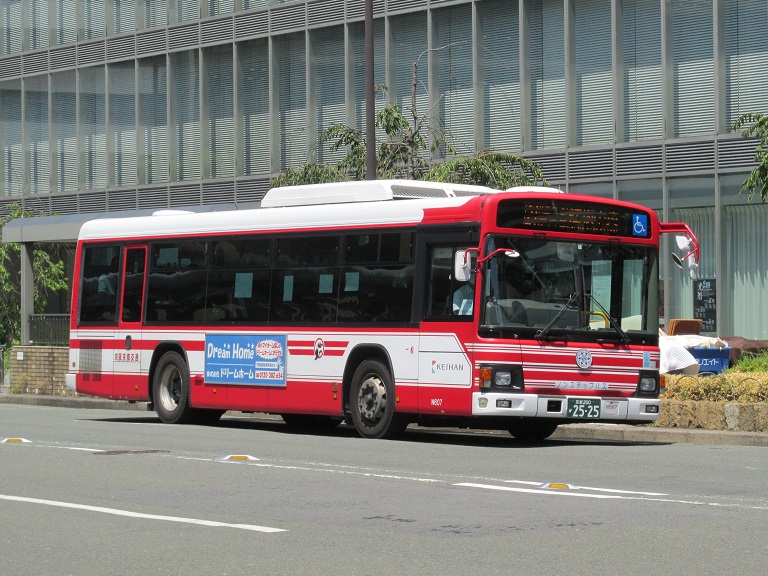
712,359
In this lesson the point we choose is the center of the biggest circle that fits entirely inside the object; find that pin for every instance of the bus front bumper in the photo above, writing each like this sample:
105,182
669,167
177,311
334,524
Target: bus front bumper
565,407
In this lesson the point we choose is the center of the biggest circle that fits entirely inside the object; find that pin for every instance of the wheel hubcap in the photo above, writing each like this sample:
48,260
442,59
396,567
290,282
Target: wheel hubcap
170,389
372,400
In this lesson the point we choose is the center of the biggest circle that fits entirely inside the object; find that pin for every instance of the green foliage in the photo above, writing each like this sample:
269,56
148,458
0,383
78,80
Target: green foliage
751,363
755,125
492,169
310,174
49,276
727,387
405,153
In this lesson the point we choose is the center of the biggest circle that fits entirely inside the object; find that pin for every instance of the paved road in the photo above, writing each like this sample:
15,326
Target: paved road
576,432
117,492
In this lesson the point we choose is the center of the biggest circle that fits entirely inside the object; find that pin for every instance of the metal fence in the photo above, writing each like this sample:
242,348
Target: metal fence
49,329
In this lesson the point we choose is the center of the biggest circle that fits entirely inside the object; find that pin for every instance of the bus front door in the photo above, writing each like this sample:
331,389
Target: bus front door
130,378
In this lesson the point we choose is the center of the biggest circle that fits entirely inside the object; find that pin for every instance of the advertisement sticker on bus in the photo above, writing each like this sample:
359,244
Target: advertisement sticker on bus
245,359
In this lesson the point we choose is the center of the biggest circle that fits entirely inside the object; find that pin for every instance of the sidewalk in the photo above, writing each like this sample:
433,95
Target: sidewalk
598,432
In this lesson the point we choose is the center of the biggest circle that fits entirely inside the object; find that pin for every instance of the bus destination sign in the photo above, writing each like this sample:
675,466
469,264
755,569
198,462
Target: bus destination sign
573,216
245,359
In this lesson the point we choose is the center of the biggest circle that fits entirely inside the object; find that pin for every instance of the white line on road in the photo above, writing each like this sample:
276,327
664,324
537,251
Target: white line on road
609,490
538,491
116,512
573,493
313,467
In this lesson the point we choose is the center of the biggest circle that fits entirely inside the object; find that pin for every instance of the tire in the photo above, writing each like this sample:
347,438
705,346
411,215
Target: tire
372,402
310,422
170,390
532,429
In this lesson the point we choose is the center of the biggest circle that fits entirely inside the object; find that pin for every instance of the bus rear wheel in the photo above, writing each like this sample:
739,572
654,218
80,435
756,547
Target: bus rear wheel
170,389
532,429
372,402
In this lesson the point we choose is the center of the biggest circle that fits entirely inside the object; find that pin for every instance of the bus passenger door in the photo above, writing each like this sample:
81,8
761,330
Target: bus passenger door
130,380
448,333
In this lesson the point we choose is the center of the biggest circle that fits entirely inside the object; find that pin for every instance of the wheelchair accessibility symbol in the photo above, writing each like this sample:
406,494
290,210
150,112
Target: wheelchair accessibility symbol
639,225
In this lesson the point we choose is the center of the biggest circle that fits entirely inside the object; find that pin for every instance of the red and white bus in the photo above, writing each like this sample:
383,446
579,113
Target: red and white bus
379,303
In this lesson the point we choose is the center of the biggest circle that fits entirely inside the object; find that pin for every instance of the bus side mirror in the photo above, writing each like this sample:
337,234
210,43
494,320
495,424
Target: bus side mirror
463,265
684,244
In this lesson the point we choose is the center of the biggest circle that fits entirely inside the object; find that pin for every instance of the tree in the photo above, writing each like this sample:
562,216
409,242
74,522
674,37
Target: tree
404,153
49,275
755,125
492,169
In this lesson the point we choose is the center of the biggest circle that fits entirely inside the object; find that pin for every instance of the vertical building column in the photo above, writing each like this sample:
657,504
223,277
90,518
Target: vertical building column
310,71
720,128
79,129
667,73
274,106
720,67
391,60
524,25
139,108
478,92
433,84
617,44
109,128
571,92
25,19
27,290
237,111
350,87
204,108
171,113
26,159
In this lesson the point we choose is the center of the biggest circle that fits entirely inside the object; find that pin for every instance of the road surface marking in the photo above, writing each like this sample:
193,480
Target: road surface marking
117,512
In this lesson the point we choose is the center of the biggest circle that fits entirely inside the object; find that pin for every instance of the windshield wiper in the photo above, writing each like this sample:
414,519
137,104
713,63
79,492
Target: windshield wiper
623,337
542,334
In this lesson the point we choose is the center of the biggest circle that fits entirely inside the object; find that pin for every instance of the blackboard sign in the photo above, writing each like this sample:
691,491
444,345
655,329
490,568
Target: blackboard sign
705,303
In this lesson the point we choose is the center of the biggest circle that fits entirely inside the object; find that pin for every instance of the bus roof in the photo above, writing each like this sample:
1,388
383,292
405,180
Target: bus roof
325,216
316,206
366,191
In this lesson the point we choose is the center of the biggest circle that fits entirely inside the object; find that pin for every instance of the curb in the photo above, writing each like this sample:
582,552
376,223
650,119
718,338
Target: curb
71,402
598,432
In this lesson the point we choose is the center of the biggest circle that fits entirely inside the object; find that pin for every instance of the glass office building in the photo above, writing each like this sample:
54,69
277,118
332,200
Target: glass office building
123,105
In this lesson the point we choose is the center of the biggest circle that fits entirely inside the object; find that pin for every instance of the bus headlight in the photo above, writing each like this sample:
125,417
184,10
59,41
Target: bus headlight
647,384
508,376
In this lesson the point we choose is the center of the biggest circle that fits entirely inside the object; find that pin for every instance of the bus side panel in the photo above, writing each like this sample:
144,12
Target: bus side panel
307,397
133,386
91,362
445,370
203,394
249,398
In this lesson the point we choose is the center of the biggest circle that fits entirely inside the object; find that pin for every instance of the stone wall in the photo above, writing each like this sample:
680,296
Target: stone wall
39,370
714,415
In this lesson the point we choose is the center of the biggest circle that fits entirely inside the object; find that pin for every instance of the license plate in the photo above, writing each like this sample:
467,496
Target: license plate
584,408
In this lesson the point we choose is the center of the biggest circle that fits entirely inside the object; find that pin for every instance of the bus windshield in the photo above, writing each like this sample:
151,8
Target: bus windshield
570,290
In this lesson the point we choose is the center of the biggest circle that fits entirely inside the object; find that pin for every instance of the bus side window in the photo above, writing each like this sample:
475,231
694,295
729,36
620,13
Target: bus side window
99,284
443,286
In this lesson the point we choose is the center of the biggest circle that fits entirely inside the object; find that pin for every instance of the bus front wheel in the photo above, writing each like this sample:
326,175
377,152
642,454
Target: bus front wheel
372,402
170,389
